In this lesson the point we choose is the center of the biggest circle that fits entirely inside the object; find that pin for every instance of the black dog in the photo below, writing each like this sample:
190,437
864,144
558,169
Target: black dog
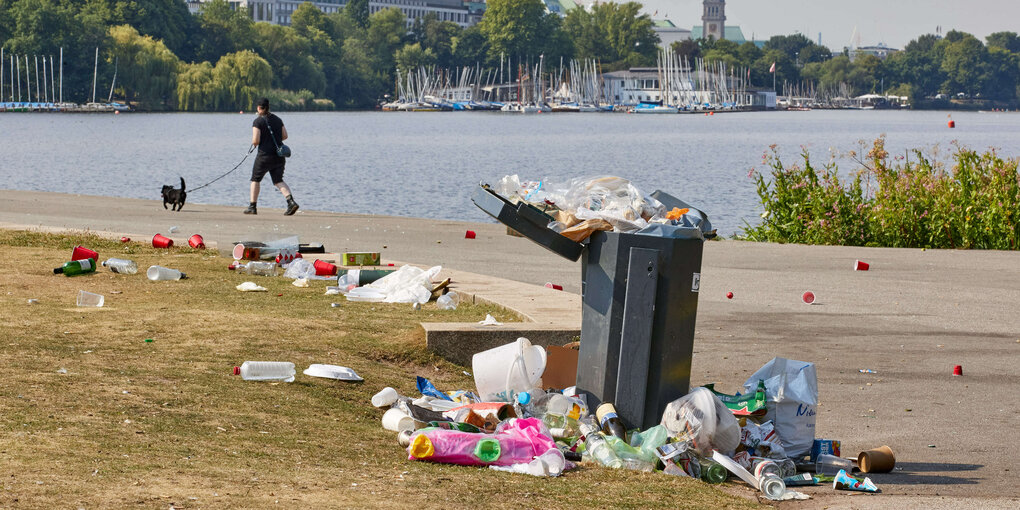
175,197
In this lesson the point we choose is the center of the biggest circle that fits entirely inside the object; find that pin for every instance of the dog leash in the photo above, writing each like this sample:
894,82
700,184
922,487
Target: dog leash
252,149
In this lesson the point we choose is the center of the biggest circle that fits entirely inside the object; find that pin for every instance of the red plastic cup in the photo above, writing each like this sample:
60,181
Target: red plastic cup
553,286
861,266
82,253
161,241
197,242
125,239
238,251
470,234
808,297
323,268
958,370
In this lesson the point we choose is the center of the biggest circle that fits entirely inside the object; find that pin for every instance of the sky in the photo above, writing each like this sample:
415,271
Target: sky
893,22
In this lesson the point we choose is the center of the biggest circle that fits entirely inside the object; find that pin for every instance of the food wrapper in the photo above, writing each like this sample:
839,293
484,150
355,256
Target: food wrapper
750,405
584,229
846,482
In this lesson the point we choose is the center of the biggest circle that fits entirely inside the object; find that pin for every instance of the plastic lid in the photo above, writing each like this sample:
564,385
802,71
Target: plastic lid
237,370
523,398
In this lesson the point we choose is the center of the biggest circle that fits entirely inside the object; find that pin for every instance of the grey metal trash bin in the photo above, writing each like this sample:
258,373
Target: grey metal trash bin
639,305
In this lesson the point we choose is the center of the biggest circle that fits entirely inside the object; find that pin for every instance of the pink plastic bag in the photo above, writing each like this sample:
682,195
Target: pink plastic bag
515,442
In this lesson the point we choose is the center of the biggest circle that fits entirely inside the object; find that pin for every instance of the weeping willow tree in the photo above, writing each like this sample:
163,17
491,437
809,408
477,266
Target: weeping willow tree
196,88
146,68
241,77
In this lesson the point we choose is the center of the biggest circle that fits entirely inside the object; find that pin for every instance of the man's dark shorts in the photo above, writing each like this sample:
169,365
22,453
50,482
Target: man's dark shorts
268,163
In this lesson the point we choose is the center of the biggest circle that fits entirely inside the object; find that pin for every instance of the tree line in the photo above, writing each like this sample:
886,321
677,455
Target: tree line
221,60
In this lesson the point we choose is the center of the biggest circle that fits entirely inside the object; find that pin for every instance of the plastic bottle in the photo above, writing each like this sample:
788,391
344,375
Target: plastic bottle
76,267
160,273
561,426
259,268
448,301
121,266
712,471
266,371
597,447
610,422
772,487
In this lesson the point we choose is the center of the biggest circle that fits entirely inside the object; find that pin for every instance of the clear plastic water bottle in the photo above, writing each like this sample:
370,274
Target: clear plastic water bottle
121,266
259,268
772,487
597,447
266,371
448,301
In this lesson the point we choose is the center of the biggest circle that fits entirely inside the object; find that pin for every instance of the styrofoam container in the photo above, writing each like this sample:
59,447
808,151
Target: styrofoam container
332,372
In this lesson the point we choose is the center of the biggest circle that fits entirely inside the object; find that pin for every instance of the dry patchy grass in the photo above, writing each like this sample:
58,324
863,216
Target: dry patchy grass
153,425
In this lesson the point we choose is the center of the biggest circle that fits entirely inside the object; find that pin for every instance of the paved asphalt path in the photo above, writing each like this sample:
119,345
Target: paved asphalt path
910,318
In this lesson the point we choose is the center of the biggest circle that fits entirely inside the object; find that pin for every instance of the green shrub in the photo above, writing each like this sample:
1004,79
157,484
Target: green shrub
909,201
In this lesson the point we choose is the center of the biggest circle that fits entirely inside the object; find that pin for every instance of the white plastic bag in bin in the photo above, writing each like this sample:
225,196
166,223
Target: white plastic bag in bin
791,388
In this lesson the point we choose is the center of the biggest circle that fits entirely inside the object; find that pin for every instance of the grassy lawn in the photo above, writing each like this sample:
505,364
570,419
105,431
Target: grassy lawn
93,416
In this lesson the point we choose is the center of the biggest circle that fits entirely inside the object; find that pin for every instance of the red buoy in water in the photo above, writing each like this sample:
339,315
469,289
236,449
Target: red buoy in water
952,124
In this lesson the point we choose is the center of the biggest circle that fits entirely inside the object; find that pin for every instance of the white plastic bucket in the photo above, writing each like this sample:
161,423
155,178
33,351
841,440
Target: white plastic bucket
504,371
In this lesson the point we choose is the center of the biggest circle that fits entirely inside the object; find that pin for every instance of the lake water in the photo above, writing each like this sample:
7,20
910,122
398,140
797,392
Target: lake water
428,164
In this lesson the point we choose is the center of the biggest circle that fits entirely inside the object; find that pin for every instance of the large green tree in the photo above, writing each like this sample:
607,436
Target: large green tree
617,34
146,68
224,30
289,54
241,77
514,28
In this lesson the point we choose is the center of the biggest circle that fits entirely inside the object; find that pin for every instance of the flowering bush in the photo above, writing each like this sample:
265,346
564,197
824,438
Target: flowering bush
910,201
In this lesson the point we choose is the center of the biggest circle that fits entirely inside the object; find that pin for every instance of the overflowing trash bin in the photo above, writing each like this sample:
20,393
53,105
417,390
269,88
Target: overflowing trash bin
639,282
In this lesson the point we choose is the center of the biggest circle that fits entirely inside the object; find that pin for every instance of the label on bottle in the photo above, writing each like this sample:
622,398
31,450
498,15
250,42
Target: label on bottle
606,417
86,264
605,412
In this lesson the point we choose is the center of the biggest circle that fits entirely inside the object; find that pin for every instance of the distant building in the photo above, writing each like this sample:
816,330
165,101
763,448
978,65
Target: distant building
734,34
881,51
278,12
713,19
668,32
561,7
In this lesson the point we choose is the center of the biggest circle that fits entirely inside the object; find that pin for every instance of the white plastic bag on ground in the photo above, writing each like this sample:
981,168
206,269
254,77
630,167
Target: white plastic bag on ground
791,388
250,287
702,418
408,284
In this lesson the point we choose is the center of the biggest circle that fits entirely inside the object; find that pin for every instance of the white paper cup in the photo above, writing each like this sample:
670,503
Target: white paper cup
395,420
90,300
385,398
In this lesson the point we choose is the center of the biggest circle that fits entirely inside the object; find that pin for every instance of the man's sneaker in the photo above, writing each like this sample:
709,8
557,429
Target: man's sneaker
250,210
292,207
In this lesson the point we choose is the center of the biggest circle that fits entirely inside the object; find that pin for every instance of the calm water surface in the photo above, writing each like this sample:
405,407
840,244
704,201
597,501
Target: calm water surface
428,164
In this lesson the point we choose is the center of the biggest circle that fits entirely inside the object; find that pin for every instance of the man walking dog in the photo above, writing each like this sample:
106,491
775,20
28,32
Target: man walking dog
265,131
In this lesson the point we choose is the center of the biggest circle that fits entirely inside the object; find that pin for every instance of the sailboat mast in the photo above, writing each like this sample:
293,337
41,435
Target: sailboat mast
110,97
61,74
95,71
53,90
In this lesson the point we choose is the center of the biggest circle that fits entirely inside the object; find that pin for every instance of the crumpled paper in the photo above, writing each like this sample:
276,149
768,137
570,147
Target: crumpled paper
300,282
250,287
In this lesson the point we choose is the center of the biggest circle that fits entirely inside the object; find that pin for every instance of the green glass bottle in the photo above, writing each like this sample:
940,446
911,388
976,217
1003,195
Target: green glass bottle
712,471
76,267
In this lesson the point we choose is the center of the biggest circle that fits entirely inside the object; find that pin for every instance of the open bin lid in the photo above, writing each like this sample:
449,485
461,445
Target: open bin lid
528,220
